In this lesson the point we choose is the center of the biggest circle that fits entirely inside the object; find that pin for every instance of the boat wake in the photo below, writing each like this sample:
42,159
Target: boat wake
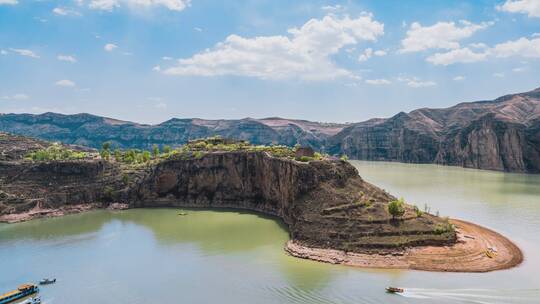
476,296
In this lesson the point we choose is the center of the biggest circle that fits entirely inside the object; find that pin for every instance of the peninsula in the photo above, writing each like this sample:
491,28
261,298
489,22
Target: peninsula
332,214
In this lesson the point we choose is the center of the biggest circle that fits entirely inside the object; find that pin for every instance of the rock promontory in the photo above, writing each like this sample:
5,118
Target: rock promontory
323,201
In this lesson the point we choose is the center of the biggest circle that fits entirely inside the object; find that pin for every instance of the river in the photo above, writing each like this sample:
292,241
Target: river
218,256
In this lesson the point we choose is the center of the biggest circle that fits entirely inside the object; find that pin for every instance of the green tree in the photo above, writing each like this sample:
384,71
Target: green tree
155,151
106,145
396,208
167,149
117,154
344,157
105,154
145,156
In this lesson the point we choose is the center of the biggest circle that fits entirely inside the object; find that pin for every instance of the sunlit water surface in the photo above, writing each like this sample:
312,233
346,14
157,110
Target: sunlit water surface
156,256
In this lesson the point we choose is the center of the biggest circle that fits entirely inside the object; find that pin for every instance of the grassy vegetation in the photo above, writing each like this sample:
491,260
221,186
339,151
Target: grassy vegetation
55,152
196,149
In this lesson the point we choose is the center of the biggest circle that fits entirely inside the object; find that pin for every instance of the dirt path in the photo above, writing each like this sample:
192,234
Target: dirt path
478,250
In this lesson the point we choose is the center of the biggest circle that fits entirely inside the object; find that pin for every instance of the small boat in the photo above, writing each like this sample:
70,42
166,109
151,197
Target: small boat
394,290
36,300
47,281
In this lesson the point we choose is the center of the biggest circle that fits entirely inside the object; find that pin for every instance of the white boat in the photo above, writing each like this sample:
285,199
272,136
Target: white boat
36,300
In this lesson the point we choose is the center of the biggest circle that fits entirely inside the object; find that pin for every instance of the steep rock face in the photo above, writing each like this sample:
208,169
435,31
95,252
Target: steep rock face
497,135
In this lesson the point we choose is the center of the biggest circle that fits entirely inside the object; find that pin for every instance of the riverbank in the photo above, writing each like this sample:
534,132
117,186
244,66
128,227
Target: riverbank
38,212
478,249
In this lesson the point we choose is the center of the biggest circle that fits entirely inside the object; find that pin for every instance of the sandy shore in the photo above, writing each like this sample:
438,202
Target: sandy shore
478,250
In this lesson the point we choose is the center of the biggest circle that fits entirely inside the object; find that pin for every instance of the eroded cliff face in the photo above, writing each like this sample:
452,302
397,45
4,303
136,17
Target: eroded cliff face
502,135
325,204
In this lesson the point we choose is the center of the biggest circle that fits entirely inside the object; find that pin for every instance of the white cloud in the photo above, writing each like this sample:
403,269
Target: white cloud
109,47
464,55
157,68
104,5
332,8
521,47
109,5
3,52
65,12
9,2
380,53
27,53
441,35
529,7
65,83
478,45
67,58
519,69
458,78
166,58
18,96
303,54
498,75
415,82
198,29
366,55
160,105
378,81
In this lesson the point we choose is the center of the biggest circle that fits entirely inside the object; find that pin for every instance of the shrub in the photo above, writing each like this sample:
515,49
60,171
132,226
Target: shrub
396,208
167,149
344,157
418,212
55,152
442,228
155,151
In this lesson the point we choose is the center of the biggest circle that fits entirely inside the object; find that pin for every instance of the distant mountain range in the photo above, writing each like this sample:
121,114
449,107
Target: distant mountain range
502,134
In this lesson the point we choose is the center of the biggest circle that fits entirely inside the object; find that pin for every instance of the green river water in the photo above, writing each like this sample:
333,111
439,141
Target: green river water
217,256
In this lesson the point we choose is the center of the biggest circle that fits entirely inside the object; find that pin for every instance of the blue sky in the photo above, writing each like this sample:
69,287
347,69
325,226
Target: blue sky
342,61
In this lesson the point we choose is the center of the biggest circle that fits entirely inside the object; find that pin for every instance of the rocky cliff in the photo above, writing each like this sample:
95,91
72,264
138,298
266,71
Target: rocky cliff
325,203
502,134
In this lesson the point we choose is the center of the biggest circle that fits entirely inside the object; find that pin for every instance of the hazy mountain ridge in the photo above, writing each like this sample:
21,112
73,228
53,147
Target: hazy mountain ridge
501,134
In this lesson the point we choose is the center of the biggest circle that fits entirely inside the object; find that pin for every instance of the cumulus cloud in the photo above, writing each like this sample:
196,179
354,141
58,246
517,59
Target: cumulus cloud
498,75
464,55
529,7
522,47
378,81
366,55
109,5
24,52
109,47
65,83
8,2
441,35
61,11
415,82
305,53
458,78
67,58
